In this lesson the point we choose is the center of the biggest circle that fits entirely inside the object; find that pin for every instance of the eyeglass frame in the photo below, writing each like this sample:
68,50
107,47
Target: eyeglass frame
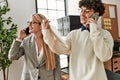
86,11
33,22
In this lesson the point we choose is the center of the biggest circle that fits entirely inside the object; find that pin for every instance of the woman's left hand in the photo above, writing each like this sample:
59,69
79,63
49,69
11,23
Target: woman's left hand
46,25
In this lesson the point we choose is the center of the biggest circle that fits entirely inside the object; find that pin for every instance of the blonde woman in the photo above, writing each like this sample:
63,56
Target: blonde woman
39,61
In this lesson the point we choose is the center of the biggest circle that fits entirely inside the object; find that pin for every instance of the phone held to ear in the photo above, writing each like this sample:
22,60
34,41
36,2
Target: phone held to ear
95,17
27,31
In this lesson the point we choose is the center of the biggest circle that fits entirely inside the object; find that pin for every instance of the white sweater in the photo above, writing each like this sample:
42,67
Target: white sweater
87,50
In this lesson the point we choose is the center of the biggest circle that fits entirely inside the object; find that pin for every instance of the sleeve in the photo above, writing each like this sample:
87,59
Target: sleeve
16,50
55,43
102,42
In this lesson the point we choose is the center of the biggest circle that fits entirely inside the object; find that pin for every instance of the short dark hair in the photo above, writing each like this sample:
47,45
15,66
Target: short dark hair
96,5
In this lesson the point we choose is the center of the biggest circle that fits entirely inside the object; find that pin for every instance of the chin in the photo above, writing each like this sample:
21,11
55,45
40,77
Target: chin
83,22
31,31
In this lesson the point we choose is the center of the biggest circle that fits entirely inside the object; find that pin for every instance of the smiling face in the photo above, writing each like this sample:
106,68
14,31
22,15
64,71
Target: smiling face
85,14
34,25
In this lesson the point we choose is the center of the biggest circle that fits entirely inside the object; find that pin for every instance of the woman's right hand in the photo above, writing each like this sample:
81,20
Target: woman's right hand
22,34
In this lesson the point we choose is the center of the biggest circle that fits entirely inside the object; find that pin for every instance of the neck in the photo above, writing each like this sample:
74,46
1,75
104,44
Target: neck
86,25
38,36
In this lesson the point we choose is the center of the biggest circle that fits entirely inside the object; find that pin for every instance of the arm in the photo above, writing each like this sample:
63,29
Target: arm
102,42
16,50
55,44
53,41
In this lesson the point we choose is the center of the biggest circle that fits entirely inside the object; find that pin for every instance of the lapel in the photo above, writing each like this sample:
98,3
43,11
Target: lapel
32,49
34,52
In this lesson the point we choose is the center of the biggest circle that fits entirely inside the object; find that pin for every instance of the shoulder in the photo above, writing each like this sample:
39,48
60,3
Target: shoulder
29,38
74,32
105,32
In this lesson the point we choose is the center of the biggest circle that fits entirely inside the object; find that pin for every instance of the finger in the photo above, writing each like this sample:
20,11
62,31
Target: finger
44,24
47,24
93,21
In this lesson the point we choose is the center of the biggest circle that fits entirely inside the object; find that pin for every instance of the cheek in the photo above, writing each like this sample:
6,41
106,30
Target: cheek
83,17
30,28
83,20
37,28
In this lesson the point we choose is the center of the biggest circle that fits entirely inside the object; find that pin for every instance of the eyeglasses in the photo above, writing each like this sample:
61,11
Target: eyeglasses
33,22
86,11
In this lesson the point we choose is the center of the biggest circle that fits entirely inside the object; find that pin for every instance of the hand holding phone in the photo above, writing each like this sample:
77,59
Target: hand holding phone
27,31
95,17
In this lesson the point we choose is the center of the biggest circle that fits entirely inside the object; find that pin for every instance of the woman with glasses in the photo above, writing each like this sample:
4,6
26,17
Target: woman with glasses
88,46
39,61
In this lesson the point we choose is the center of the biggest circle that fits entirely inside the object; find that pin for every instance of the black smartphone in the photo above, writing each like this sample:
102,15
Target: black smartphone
95,17
27,31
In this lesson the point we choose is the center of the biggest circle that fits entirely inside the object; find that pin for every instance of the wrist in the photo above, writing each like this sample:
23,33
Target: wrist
19,38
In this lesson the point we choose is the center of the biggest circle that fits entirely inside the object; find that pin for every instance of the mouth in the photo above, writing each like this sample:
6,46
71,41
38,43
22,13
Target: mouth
83,18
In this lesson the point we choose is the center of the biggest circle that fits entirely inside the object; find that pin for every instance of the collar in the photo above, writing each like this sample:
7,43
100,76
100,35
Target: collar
84,28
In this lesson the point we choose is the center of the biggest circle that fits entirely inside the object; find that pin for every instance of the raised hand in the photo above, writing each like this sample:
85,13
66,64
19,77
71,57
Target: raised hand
46,25
22,34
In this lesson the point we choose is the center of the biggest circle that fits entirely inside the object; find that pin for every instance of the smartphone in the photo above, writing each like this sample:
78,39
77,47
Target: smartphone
27,31
95,17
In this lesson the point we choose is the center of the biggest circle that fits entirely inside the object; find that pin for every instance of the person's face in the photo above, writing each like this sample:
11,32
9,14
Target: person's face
34,25
85,14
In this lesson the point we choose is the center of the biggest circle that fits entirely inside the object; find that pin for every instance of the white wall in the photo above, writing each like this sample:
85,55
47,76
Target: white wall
73,8
20,12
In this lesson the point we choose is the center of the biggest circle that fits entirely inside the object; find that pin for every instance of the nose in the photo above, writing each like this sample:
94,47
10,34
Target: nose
82,13
30,24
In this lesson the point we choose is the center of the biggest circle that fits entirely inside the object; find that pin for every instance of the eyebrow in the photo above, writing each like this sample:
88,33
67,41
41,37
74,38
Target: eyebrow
85,9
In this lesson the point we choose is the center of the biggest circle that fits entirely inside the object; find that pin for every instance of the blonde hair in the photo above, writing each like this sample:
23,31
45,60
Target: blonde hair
39,17
49,55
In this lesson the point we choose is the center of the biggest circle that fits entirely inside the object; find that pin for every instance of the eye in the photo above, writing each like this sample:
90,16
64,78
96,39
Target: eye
87,11
33,22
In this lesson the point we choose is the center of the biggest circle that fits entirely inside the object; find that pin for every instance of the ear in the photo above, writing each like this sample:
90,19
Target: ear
97,13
